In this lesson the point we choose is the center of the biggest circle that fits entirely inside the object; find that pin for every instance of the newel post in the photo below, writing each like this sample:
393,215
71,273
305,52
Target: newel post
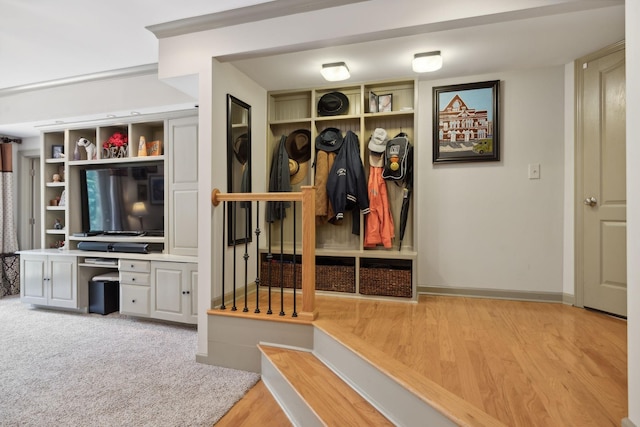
308,253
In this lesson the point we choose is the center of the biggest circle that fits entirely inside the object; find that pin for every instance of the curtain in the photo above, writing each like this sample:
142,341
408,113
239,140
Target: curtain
10,279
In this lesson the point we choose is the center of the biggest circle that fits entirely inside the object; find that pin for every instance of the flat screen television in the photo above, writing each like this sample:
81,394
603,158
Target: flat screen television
123,199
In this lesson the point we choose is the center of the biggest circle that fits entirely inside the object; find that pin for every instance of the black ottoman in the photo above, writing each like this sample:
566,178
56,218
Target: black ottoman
104,294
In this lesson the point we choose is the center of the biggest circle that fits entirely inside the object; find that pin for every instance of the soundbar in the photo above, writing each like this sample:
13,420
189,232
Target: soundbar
127,247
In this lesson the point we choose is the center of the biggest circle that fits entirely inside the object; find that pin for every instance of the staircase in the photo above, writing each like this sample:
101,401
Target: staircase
337,383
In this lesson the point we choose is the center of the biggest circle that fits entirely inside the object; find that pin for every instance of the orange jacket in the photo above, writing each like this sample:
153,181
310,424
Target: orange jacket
379,229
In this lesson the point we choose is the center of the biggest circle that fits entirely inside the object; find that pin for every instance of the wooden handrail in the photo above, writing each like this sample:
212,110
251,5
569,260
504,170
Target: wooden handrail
307,197
217,196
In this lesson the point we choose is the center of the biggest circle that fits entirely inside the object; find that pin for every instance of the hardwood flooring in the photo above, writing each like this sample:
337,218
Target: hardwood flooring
524,363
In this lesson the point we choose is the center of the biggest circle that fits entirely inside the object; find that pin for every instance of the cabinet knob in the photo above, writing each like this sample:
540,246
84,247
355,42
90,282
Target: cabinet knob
187,292
133,301
133,279
184,292
131,265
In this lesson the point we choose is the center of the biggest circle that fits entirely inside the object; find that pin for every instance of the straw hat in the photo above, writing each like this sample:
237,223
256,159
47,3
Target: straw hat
298,146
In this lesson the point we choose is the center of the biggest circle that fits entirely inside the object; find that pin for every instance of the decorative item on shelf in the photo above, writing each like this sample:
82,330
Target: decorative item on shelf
57,151
57,225
89,146
62,199
116,146
142,147
333,104
154,148
57,245
57,177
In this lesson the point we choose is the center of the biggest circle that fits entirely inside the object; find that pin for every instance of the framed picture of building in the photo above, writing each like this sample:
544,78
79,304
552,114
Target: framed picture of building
466,120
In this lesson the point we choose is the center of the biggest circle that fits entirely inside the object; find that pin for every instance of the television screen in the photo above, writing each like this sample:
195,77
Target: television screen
123,199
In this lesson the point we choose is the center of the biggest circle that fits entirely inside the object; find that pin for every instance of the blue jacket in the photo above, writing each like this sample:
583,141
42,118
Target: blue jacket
347,183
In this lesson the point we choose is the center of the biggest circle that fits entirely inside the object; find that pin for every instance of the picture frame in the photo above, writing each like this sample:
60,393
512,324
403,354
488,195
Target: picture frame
57,151
373,102
156,189
385,103
466,122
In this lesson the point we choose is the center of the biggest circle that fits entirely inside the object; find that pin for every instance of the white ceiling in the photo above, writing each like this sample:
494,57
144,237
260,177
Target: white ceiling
43,40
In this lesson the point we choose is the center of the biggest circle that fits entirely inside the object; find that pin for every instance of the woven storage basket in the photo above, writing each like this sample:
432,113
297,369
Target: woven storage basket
336,278
385,282
276,274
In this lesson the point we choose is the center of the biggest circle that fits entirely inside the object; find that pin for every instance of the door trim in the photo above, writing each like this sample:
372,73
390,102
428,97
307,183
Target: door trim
579,167
25,195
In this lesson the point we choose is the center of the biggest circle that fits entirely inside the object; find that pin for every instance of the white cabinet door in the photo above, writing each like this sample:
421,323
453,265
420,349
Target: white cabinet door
62,281
172,290
32,275
49,280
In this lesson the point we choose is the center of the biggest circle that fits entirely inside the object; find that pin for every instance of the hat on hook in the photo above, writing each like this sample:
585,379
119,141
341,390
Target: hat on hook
329,140
378,141
298,146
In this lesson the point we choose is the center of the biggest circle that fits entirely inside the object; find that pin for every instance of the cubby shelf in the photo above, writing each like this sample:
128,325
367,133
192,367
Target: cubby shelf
293,110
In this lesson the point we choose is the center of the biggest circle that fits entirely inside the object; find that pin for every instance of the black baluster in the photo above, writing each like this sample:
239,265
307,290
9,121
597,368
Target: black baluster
281,260
233,226
269,262
295,270
247,220
224,224
257,310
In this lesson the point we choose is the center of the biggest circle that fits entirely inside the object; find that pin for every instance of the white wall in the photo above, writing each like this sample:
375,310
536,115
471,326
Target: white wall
223,79
486,225
90,98
632,17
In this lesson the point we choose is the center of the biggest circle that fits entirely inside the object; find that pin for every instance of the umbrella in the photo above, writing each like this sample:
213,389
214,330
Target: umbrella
406,195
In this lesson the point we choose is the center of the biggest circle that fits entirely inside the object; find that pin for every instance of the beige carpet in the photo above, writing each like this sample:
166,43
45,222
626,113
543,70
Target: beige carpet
67,369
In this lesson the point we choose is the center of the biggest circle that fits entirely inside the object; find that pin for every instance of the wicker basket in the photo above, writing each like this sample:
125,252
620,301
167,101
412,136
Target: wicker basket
335,278
278,275
390,282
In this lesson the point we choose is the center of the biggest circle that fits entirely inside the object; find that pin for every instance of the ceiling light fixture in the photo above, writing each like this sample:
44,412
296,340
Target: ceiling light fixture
427,61
335,72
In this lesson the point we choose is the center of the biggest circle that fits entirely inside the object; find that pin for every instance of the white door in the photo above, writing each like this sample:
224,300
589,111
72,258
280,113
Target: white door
601,132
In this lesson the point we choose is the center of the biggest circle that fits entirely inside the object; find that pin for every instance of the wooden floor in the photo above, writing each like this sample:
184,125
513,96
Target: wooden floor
524,363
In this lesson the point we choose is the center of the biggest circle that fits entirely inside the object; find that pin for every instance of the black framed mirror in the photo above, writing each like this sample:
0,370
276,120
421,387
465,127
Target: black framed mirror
238,168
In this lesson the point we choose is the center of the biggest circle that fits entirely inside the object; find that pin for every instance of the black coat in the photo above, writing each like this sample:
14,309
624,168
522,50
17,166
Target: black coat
279,180
347,183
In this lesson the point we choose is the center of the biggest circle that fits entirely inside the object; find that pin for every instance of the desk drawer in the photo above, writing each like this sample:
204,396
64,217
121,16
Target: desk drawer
134,265
134,300
129,278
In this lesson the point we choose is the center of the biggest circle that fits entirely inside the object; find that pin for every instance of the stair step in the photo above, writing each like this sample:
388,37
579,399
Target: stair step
331,399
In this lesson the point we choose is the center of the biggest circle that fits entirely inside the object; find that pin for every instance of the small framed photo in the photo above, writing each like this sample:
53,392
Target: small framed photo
385,102
57,151
373,102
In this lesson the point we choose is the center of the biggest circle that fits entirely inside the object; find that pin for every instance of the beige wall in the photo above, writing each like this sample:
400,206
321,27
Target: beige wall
486,225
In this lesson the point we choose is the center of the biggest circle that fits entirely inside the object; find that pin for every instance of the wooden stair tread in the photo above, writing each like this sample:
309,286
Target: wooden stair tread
453,407
334,401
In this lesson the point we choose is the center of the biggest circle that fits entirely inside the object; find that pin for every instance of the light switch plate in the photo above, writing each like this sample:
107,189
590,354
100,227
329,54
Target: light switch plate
534,171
